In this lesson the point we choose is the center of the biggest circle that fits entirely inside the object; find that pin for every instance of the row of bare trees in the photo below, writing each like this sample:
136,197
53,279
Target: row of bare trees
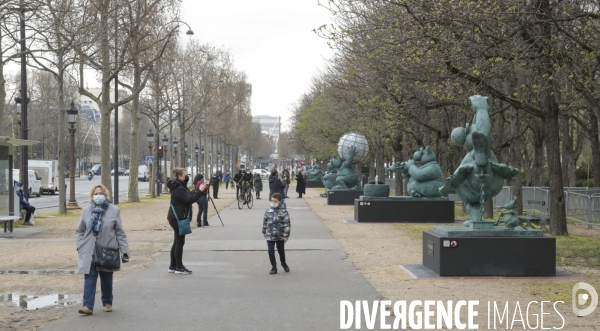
185,88
404,69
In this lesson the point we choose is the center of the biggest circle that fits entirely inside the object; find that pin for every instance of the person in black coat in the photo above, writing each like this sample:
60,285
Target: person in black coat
214,181
276,185
237,179
180,208
300,184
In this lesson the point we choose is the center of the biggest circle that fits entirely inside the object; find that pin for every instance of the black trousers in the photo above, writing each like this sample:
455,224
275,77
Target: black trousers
258,194
215,191
177,248
280,249
30,210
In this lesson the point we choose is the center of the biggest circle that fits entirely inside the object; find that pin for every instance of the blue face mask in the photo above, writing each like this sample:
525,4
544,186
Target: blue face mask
99,199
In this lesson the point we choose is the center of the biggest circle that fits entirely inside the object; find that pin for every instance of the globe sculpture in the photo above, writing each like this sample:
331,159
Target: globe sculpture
352,147
358,141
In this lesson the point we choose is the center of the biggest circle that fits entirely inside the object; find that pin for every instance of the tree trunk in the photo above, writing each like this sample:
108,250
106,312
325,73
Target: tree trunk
105,146
538,153
397,147
595,146
380,155
515,148
2,93
62,145
134,152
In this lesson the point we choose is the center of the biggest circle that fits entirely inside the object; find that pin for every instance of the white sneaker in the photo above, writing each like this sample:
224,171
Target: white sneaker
171,270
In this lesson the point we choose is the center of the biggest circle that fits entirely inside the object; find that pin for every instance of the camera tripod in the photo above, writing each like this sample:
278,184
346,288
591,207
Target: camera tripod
213,203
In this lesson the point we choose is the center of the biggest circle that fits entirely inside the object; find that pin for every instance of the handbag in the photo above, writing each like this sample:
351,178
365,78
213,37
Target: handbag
106,258
184,224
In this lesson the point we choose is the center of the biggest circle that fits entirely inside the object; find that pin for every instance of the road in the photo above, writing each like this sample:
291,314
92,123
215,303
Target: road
49,203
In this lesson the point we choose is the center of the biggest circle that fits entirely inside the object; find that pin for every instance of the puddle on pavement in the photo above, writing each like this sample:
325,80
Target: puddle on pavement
42,272
33,302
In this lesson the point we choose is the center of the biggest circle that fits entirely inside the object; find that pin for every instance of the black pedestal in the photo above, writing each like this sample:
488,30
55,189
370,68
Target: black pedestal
314,183
489,256
343,197
403,210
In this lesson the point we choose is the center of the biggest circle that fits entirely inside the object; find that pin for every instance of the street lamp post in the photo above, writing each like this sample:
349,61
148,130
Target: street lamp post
150,136
72,116
165,141
175,144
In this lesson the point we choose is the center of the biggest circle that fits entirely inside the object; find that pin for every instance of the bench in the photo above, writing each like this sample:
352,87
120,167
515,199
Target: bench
8,222
530,217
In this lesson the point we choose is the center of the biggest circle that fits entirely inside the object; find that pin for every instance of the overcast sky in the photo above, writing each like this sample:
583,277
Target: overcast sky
271,40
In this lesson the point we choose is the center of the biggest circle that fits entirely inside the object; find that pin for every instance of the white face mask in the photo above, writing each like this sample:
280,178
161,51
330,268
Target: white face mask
274,205
99,199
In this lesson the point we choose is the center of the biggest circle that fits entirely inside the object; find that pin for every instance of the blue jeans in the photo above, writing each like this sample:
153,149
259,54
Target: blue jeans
202,210
89,287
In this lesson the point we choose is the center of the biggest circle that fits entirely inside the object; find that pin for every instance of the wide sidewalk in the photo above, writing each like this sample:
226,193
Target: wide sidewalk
230,288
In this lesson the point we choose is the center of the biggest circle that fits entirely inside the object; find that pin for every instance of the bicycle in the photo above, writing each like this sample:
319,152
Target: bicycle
245,197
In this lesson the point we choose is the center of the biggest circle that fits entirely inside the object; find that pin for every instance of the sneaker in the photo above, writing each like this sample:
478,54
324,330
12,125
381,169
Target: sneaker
286,268
207,226
85,311
273,271
171,270
183,271
108,308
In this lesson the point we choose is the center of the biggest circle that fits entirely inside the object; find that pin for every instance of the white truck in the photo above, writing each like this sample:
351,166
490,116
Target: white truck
35,184
47,170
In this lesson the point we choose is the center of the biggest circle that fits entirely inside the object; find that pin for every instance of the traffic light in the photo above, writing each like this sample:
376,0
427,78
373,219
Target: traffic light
160,151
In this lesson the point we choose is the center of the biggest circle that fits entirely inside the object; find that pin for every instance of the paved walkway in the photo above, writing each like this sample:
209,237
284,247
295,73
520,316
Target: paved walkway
230,288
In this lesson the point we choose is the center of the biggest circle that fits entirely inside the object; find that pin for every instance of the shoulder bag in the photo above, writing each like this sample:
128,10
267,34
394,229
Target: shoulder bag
184,224
107,258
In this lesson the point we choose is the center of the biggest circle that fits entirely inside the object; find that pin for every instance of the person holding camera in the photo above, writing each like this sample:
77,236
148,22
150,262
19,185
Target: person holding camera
100,224
202,201
276,185
181,204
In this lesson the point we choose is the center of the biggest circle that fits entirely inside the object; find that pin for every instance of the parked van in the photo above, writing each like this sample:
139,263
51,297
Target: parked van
143,173
34,181
47,170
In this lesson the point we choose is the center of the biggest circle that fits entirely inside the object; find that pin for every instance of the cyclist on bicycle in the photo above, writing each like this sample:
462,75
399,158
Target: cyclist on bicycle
237,179
246,183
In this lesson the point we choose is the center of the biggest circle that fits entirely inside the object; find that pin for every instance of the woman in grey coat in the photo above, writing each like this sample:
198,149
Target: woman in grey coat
100,222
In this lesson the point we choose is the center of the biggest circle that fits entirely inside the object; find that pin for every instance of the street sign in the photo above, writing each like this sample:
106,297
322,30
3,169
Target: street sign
149,160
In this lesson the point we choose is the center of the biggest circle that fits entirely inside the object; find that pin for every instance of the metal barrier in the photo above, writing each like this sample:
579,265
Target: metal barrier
582,203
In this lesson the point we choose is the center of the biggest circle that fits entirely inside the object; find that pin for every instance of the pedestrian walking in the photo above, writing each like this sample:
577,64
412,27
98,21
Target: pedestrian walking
202,201
276,185
258,185
227,179
180,208
214,181
100,224
25,205
286,177
276,229
300,184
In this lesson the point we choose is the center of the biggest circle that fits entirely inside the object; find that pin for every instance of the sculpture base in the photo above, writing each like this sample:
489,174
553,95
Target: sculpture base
345,197
404,210
314,183
489,256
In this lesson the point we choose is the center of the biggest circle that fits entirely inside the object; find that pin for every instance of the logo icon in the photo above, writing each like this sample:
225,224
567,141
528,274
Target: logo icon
581,299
